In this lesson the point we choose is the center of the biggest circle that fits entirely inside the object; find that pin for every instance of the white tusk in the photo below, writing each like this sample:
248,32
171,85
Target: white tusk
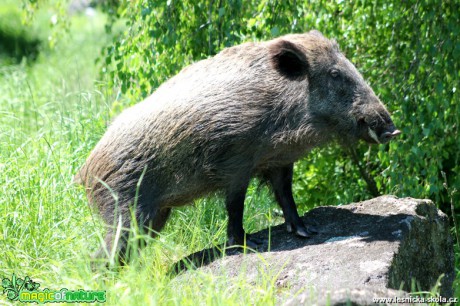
373,135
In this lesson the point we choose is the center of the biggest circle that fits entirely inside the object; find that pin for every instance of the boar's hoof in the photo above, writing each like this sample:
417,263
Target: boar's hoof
313,230
302,231
253,243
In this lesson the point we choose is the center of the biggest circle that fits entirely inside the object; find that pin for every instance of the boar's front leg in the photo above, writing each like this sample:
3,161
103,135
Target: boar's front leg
235,206
281,181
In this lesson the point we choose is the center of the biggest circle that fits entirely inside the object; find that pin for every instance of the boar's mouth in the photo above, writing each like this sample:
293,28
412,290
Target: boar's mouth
377,133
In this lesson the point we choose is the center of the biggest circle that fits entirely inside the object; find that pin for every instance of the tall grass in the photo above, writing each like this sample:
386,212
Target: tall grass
52,112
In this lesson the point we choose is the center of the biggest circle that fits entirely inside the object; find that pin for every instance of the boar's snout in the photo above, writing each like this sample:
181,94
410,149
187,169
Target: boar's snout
377,127
390,134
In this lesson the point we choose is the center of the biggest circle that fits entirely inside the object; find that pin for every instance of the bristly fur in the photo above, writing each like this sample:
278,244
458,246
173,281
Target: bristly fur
247,111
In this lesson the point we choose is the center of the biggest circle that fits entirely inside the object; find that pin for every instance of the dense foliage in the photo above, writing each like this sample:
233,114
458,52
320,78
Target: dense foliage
52,113
407,50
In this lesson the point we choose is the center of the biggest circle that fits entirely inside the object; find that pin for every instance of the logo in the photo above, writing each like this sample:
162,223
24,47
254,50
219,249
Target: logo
26,291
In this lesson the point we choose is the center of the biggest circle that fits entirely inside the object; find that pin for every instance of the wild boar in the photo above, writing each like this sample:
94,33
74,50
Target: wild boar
250,111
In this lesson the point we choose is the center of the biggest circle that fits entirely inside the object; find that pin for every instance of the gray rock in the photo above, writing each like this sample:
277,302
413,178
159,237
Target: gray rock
364,251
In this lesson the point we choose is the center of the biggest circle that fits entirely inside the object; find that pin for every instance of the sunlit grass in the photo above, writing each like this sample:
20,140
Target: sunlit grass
52,112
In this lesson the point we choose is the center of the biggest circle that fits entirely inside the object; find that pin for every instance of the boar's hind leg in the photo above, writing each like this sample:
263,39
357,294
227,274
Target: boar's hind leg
109,243
153,224
157,223
281,181
235,207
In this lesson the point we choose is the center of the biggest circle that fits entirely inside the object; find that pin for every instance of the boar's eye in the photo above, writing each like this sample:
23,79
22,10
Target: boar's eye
334,73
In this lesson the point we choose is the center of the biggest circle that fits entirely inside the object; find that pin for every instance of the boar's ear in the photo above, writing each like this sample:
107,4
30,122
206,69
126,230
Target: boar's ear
288,59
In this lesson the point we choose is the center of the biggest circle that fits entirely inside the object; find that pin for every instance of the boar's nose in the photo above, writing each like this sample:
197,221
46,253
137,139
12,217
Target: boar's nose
389,134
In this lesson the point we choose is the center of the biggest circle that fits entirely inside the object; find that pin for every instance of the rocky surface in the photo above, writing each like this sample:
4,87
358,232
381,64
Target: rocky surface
363,251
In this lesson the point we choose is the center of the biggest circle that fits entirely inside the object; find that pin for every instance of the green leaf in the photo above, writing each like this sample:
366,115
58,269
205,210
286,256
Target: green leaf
221,12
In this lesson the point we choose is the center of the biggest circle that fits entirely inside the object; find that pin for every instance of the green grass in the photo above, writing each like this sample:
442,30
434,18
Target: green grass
52,113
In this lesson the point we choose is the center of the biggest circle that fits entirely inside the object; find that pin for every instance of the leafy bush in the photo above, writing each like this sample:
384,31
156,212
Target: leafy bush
408,51
52,115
